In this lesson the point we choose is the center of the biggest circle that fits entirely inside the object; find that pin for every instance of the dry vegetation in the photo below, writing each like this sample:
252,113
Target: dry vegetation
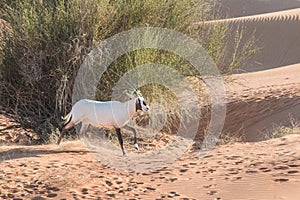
281,130
38,65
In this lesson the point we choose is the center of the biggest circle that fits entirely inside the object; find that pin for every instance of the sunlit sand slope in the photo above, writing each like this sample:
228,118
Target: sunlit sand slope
238,8
277,34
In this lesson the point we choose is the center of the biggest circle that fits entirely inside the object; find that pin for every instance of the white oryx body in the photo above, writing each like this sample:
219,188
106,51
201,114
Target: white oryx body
108,114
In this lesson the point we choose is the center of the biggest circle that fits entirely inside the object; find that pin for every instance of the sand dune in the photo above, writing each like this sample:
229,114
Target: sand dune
258,102
287,15
277,34
238,8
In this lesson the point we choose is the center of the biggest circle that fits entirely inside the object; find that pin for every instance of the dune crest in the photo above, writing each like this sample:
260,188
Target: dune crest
287,15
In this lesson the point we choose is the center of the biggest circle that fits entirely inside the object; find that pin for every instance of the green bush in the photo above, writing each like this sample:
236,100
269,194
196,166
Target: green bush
52,37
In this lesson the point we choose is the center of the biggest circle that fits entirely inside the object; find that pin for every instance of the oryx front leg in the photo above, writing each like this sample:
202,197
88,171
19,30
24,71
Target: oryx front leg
83,129
64,130
118,131
62,133
130,128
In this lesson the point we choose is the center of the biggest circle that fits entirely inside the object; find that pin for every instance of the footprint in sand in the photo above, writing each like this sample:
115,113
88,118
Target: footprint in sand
281,180
292,172
109,183
84,191
37,198
209,186
52,195
265,169
173,194
212,192
208,156
281,167
256,164
293,165
251,171
192,163
111,194
183,170
238,162
172,179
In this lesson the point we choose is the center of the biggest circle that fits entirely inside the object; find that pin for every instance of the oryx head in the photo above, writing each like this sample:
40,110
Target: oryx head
140,103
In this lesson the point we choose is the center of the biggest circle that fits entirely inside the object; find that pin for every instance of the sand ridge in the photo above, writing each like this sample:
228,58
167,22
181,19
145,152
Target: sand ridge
277,35
287,15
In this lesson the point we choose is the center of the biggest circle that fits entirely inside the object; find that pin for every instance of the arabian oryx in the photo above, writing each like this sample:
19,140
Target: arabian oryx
109,114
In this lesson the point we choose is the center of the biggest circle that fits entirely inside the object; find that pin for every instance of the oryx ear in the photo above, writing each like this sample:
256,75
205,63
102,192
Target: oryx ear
137,93
130,95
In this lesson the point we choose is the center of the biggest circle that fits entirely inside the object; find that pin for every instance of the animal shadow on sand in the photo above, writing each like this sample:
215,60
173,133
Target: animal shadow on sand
26,153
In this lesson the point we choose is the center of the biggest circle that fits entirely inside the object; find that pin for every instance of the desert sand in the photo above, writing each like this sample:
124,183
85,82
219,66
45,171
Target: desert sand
266,94
261,170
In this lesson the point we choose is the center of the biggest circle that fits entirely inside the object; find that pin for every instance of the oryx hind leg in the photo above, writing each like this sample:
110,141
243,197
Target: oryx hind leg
130,128
83,129
120,138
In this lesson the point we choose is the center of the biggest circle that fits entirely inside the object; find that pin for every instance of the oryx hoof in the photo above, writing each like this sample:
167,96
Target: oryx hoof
136,146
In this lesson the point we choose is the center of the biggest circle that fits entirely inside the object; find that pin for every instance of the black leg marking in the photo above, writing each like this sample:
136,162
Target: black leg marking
120,138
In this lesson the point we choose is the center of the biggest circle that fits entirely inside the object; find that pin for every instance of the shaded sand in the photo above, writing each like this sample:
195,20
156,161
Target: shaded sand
257,102
12,132
260,101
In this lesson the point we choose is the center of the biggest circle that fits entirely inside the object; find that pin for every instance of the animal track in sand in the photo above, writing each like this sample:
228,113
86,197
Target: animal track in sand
265,169
183,170
281,167
294,165
52,195
293,172
281,180
251,171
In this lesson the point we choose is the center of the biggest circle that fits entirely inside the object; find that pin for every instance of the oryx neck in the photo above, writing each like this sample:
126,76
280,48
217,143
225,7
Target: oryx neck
131,105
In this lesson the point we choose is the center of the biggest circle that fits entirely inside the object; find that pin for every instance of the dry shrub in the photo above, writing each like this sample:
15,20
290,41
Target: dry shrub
51,39
281,130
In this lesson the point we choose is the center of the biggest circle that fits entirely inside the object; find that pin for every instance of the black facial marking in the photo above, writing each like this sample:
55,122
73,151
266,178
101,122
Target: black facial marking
138,105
